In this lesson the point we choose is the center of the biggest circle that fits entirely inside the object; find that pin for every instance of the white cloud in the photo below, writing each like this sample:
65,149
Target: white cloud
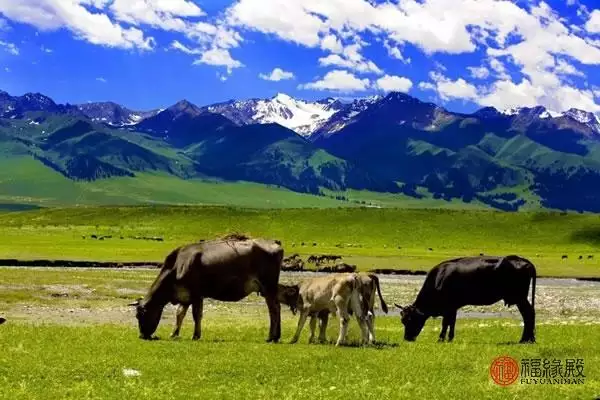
163,14
448,89
351,58
177,45
537,33
593,24
504,94
427,86
363,66
288,20
499,68
525,43
338,81
395,52
96,28
10,47
277,75
332,43
101,79
479,72
389,83
564,68
6,69
46,50
214,56
220,58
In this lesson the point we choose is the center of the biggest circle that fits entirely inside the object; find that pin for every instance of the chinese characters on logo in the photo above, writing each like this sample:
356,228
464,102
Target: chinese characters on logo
537,371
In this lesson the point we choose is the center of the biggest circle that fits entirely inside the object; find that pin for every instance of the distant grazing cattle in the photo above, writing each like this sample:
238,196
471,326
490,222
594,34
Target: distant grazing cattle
590,257
564,257
472,281
2,320
581,257
331,293
227,270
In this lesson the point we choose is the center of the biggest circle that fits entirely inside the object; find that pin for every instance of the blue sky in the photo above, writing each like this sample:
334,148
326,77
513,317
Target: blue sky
462,54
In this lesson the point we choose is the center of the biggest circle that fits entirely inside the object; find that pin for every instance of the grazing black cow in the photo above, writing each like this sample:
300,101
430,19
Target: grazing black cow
472,281
2,320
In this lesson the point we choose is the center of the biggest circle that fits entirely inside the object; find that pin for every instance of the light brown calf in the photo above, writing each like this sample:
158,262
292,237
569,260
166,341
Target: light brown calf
332,293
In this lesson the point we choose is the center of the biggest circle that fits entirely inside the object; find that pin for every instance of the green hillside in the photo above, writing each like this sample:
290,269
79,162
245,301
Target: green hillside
369,238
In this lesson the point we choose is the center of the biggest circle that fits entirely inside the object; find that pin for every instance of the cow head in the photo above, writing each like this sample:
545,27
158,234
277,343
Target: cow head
148,318
289,295
413,320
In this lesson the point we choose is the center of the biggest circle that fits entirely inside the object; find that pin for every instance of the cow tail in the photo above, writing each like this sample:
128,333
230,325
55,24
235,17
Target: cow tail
533,280
384,306
356,295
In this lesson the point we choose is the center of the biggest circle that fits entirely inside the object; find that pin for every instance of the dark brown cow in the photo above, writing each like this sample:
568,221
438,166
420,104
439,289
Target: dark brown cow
225,270
472,281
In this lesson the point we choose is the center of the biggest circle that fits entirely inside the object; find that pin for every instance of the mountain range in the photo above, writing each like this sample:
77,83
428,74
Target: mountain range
393,144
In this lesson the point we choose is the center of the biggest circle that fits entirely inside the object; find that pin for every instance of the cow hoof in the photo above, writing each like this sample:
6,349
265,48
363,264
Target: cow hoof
527,341
441,340
195,337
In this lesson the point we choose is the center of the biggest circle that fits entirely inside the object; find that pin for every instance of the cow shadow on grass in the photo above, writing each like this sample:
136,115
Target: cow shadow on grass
378,345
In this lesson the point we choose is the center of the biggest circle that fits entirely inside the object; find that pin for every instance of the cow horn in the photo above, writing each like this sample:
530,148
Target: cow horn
399,306
135,303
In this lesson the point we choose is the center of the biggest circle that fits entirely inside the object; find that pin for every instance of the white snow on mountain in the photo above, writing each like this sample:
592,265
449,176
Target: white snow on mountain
300,116
303,117
583,117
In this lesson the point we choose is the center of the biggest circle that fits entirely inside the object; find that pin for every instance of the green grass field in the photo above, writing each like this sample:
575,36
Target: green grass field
70,335
369,238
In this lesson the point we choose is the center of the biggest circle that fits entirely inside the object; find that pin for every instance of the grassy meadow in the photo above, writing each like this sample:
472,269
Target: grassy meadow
370,238
70,335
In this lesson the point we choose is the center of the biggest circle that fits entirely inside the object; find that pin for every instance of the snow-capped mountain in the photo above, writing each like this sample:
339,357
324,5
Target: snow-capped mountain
113,114
303,117
584,117
347,113
14,106
588,119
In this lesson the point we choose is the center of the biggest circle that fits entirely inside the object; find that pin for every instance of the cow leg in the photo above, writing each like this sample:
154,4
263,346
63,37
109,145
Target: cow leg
197,307
528,314
451,324
342,311
181,311
301,322
371,325
275,318
313,326
444,329
323,319
360,318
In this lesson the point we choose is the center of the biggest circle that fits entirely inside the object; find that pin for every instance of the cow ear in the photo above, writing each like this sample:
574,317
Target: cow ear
399,306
